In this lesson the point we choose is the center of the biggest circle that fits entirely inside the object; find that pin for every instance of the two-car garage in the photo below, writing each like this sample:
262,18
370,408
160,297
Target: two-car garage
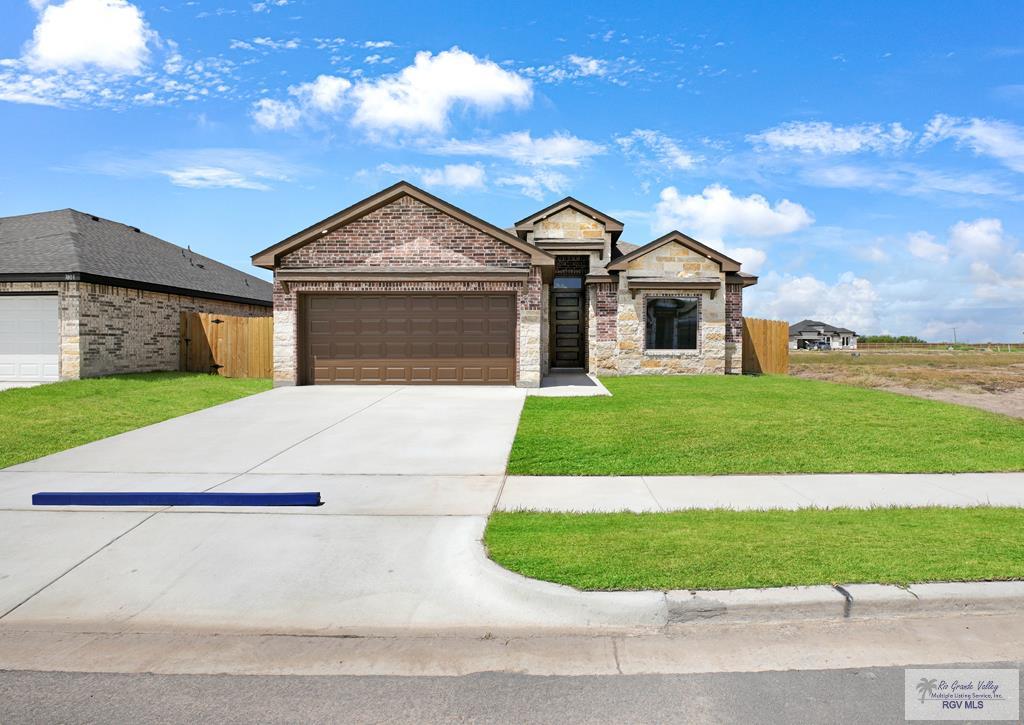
428,338
29,338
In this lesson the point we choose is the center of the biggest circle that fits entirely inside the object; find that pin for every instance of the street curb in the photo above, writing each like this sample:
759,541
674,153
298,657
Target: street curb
843,601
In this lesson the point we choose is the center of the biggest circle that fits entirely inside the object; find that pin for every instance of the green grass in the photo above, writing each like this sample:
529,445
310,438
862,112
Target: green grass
39,421
769,424
736,549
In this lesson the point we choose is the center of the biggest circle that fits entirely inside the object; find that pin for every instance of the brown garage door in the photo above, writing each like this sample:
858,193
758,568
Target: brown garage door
410,338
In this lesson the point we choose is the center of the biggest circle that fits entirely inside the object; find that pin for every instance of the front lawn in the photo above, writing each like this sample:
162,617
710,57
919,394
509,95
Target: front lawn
769,424
39,421
720,549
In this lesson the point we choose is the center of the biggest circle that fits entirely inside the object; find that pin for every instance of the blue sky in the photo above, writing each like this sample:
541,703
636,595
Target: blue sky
867,161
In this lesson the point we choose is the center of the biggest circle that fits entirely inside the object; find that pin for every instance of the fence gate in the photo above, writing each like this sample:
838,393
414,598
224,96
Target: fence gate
765,346
235,347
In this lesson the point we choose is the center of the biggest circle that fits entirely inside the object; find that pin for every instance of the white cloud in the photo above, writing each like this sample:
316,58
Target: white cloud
979,238
325,94
211,177
109,34
454,176
207,168
276,115
752,259
575,67
537,184
457,176
421,96
923,245
716,212
906,179
272,44
850,302
267,5
559,149
824,138
655,151
586,66
378,44
1001,140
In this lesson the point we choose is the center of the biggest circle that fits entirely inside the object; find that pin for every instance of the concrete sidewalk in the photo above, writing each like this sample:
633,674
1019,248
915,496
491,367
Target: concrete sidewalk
670,493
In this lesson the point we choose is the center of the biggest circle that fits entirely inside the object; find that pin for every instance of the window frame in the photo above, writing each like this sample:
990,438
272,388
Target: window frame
672,352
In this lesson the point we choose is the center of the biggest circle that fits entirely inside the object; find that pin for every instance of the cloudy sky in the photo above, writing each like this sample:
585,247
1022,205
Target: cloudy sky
867,161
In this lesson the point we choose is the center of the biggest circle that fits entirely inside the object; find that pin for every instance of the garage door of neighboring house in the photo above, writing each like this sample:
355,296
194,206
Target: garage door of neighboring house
29,338
409,338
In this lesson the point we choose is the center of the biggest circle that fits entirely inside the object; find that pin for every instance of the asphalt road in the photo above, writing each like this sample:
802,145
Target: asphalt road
871,695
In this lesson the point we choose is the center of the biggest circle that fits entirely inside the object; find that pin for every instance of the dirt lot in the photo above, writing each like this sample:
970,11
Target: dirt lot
989,380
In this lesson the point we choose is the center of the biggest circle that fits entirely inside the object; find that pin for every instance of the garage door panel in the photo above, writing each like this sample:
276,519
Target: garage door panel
29,338
409,338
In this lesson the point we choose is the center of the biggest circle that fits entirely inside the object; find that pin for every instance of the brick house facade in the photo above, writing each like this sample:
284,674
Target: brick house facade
672,306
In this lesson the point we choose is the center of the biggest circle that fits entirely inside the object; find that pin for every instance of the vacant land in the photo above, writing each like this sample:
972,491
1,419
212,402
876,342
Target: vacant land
737,549
39,421
988,380
768,424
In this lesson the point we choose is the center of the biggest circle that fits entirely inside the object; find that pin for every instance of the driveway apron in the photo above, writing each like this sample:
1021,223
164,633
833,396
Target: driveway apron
408,476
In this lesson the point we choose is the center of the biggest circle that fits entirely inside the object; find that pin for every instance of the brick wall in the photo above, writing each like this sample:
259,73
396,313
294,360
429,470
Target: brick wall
572,265
734,329
406,233
733,312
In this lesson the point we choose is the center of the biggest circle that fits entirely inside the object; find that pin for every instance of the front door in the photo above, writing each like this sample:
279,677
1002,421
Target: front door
567,323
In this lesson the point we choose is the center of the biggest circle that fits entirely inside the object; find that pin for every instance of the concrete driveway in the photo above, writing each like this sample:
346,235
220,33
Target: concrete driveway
408,476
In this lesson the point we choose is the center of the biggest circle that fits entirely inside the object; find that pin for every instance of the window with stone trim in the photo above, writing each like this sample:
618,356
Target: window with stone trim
672,323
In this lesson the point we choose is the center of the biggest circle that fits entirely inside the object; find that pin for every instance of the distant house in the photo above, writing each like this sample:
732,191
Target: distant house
82,296
814,335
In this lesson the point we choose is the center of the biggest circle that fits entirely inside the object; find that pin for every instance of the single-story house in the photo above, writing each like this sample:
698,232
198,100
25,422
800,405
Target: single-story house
82,296
814,335
403,287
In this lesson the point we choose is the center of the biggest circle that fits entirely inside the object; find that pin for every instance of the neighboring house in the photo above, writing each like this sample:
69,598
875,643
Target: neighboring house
813,335
82,296
403,287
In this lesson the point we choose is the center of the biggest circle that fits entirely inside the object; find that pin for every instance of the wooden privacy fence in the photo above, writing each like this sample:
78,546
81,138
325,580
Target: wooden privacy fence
235,347
765,346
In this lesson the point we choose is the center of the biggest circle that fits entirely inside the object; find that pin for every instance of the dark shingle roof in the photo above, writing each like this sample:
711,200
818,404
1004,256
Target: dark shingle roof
71,242
809,325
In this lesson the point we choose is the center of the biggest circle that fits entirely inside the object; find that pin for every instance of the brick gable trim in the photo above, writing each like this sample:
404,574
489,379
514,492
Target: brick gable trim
270,257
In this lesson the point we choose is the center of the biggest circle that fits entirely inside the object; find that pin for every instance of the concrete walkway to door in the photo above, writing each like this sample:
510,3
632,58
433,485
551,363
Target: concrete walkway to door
408,475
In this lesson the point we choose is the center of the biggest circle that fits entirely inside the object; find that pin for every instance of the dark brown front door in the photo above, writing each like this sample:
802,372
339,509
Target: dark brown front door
409,338
566,328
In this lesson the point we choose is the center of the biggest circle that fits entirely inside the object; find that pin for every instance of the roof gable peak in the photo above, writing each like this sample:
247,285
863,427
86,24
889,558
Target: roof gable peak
611,224
268,257
727,264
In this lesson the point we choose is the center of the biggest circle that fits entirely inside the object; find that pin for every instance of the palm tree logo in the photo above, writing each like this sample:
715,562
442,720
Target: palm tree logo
925,687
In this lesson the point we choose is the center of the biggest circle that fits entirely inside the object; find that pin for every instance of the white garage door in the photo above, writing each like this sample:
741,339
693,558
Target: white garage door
29,338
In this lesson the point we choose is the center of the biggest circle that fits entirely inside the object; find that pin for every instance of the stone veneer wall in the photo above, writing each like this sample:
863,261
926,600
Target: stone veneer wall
408,234
568,224
734,329
107,330
675,261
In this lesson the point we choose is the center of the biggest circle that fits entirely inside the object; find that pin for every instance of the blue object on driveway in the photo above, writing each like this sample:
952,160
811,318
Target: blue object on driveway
144,498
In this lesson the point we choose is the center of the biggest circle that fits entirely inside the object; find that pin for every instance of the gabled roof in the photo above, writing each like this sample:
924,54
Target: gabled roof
611,224
813,325
728,264
269,256
69,244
